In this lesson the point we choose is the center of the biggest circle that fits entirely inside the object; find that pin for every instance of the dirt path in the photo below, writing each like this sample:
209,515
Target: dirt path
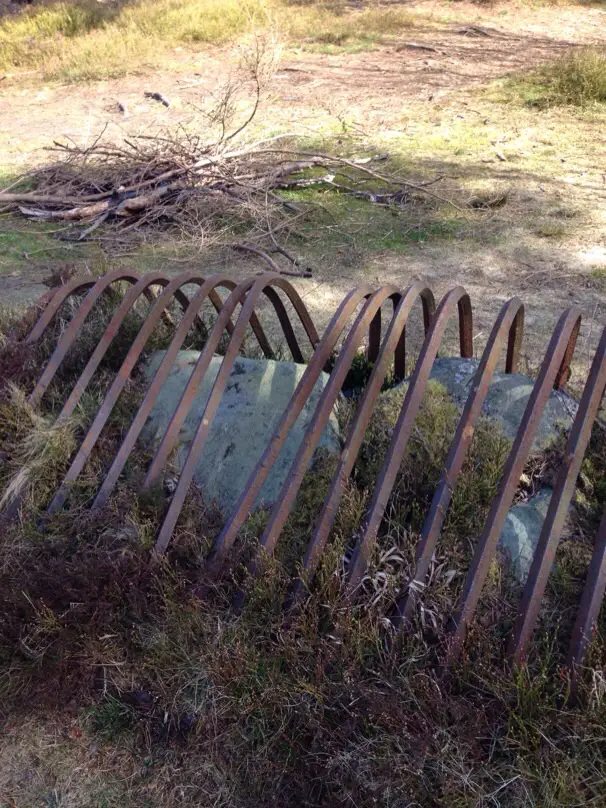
423,97
431,61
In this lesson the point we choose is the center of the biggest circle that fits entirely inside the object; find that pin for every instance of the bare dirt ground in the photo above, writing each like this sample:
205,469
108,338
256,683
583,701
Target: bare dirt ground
424,98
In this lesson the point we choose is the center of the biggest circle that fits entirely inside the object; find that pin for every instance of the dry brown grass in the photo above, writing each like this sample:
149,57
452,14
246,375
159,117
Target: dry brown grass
577,79
87,40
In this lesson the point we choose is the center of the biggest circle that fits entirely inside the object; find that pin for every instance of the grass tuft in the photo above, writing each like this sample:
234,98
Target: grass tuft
578,79
38,449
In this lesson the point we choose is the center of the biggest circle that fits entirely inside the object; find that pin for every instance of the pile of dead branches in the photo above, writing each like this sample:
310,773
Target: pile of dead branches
212,186
209,194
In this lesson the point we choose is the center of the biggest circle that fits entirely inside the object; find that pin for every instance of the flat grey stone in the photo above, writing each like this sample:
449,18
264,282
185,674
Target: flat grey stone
254,400
507,398
521,532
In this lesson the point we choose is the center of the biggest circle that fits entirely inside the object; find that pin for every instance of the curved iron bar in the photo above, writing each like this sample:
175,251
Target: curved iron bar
71,332
374,342
458,298
591,602
112,329
249,293
510,325
297,401
290,488
50,302
63,292
544,555
554,372
161,374
141,287
559,351
286,325
240,295
118,385
391,344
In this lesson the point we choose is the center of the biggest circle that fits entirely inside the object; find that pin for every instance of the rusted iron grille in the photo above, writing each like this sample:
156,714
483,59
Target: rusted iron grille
386,348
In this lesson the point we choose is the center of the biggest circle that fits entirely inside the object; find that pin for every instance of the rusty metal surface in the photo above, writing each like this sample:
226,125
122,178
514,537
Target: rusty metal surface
378,320
312,373
456,299
118,385
591,601
393,343
557,355
574,452
510,324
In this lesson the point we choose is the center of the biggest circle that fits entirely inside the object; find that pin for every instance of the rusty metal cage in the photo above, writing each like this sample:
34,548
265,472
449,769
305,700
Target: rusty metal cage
356,322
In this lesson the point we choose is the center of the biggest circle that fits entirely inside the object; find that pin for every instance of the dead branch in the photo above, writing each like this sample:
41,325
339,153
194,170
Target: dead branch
269,261
201,184
328,159
415,46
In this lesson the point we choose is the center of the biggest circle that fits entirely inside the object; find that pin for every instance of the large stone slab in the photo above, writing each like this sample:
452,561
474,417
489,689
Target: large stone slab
507,399
521,533
255,398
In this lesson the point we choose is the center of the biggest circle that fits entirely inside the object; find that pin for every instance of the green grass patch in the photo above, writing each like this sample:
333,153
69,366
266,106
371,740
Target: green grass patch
353,225
598,277
22,241
110,719
579,79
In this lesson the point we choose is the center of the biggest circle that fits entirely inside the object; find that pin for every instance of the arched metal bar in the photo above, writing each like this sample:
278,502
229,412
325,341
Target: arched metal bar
374,336
69,335
306,384
112,329
591,602
558,352
549,538
380,351
51,302
96,285
458,298
252,292
217,303
161,375
393,339
509,324
118,385
290,488
171,435
514,343
287,328
241,294
563,373
300,309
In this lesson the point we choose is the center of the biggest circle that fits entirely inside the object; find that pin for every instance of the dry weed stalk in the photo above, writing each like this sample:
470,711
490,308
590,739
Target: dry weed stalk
42,446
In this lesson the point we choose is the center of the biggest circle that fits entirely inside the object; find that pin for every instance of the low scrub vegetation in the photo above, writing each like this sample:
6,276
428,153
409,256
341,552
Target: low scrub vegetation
577,79
121,686
580,78
86,39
